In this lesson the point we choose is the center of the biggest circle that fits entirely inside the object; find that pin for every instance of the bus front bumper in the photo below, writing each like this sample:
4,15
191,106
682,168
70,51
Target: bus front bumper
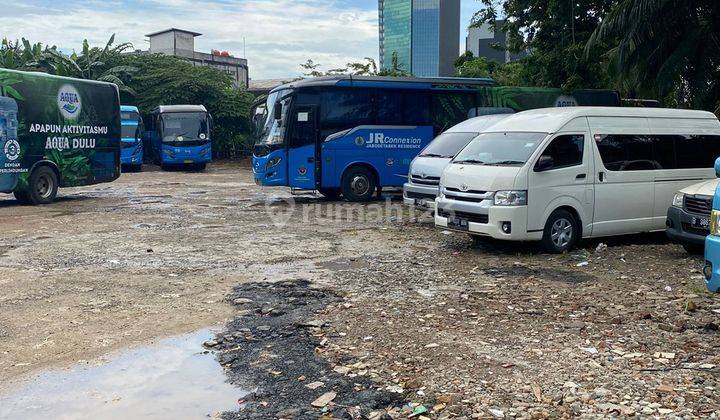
131,154
186,155
484,219
420,195
711,271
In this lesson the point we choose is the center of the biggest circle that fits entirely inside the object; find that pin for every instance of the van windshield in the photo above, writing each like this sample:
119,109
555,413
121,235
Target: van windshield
447,145
500,149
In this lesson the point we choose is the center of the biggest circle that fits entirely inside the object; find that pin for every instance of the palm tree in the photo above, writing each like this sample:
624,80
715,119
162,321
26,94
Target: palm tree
93,64
665,48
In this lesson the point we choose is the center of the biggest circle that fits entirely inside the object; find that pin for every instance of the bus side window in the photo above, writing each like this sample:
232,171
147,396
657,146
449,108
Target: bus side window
342,109
416,108
451,108
389,107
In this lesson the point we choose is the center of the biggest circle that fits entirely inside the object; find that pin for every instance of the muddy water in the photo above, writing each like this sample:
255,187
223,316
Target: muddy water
171,379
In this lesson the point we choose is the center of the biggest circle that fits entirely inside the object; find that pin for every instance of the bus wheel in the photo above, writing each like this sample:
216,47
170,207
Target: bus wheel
43,186
21,197
358,184
561,233
330,193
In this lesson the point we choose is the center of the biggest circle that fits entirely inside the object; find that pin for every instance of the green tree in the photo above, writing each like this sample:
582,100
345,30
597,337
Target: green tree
147,81
311,69
166,80
90,64
396,69
556,33
666,49
510,74
476,68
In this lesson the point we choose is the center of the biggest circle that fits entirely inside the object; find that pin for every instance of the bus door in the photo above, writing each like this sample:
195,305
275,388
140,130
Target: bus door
303,168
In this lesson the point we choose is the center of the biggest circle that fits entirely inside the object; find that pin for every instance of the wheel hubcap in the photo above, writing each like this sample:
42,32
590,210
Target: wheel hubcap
360,185
561,233
44,186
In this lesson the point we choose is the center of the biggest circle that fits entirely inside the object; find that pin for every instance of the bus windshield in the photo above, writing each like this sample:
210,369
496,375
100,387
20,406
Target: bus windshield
184,127
129,131
447,145
273,131
500,149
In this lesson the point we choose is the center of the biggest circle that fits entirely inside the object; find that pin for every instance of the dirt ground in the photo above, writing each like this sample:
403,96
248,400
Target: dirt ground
622,326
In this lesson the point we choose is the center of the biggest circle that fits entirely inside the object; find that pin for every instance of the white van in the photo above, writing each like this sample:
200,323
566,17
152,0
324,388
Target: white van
425,170
562,174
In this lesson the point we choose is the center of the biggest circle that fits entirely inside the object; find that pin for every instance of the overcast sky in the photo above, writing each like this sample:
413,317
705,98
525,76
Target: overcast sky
280,34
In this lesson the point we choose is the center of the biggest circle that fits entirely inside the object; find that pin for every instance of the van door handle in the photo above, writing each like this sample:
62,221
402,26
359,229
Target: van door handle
311,160
601,176
581,176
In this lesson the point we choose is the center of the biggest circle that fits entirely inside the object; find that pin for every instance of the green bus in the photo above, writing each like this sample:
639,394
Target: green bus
56,132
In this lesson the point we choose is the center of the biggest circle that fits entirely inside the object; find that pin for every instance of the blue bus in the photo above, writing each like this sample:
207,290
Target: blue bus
131,155
179,136
354,135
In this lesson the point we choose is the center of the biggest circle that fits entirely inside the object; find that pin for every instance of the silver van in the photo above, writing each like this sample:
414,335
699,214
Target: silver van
425,170
558,175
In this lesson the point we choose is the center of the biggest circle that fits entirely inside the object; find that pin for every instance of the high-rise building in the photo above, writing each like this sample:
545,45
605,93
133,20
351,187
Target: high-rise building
490,41
424,35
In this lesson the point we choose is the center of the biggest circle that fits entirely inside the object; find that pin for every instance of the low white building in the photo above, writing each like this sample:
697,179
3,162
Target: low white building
180,43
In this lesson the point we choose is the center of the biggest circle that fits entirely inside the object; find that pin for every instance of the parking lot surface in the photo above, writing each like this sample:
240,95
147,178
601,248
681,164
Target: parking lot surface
620,326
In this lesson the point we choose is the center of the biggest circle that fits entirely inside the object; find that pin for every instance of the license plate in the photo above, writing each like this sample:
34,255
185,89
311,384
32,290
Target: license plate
457,223
188,161
701,223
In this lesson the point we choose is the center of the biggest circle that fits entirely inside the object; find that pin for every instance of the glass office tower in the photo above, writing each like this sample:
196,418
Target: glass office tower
396,33
425,35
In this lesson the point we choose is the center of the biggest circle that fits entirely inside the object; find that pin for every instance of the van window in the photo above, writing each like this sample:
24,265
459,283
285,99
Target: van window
566,151
627,152
696,151
645,153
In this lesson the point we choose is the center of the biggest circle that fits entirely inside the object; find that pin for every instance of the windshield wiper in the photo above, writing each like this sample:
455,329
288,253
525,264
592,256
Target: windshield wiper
507,162
471,162
432,155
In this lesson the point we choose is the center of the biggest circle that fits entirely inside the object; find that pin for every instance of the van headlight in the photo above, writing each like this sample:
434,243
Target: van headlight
715,223
678,200
511,198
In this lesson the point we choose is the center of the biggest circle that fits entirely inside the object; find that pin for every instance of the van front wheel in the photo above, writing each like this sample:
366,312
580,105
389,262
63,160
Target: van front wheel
562,232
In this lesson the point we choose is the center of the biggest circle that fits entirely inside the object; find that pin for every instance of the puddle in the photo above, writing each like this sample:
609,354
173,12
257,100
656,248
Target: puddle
171,379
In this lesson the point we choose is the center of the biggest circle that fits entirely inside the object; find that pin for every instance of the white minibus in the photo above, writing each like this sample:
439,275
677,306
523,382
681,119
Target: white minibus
425,170
557,175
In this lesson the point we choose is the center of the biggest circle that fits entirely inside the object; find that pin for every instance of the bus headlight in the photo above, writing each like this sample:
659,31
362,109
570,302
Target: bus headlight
511,198
715,223
678,200
273,162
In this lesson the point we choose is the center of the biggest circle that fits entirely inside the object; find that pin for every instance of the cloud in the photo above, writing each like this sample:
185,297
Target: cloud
279,34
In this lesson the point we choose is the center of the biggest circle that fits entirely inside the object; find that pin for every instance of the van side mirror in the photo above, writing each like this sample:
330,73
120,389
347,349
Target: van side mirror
278,111
544,163
717,167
